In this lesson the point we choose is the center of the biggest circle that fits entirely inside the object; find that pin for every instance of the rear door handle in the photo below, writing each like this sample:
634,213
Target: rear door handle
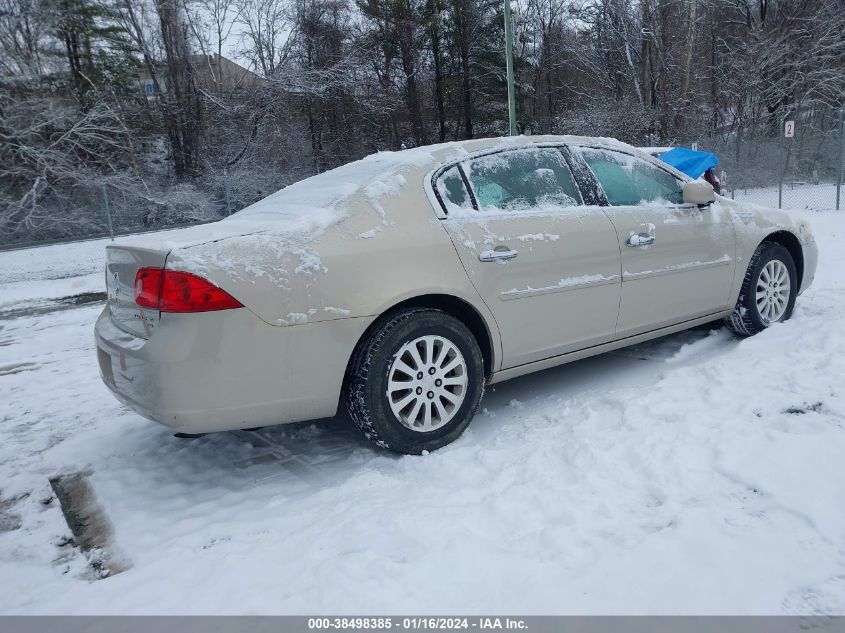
497,255
640,239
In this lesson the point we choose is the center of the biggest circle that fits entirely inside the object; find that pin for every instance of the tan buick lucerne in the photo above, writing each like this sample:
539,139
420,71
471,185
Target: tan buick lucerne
394,288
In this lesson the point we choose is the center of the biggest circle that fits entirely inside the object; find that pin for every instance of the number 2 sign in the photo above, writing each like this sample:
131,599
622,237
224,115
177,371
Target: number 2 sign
789,129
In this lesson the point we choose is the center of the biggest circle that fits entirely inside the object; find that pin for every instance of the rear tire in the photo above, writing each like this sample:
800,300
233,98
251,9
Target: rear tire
414,383
768,291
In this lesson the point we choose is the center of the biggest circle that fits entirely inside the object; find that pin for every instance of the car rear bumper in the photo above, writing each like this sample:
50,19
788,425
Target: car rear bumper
225,370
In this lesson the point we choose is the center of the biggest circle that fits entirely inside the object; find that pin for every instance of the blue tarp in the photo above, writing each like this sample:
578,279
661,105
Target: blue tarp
690,162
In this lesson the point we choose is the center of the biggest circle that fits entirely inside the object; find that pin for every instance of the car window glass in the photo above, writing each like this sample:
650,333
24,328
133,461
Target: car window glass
628,180
522,180
452,190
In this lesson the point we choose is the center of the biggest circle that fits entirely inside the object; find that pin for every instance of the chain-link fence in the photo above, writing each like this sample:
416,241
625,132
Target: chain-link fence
797,165
107,207
219,193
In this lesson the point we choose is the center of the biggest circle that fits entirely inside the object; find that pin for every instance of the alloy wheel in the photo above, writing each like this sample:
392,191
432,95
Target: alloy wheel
772,292
427,383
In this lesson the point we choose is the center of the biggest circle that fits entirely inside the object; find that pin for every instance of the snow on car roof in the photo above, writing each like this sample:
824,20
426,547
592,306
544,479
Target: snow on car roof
656,151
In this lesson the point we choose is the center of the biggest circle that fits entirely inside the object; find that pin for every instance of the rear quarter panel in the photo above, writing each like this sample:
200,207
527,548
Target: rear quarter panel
389,247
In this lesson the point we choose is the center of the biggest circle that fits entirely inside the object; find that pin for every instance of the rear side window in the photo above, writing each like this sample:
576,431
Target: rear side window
453,192
522,180
628,180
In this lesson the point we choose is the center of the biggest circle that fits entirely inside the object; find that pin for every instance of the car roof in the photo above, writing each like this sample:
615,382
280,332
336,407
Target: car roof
472,146
316,203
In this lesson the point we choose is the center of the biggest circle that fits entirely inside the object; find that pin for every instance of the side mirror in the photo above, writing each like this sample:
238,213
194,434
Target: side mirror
698,192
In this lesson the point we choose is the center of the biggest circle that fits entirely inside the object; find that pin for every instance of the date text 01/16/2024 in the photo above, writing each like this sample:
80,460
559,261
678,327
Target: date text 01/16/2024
416,623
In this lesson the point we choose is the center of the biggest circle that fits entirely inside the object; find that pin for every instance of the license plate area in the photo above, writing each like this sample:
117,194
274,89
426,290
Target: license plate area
106,370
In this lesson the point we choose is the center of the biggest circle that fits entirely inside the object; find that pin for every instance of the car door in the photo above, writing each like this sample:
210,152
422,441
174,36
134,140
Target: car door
677,259
546,264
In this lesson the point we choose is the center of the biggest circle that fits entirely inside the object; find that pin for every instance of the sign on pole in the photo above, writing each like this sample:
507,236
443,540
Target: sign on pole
789,129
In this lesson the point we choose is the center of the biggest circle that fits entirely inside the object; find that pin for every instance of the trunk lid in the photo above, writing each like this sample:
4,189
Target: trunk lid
122,262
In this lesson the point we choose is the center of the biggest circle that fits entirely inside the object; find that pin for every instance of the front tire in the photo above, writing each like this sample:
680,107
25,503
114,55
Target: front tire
415,381
768,291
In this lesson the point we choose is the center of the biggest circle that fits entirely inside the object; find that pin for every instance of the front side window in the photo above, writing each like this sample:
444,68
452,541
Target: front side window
521,180
628,180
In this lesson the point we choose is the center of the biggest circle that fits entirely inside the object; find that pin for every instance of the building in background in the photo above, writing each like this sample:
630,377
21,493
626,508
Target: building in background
214,74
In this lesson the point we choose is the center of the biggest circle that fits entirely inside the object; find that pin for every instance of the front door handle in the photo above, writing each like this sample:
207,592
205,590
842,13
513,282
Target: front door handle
640,239
499,254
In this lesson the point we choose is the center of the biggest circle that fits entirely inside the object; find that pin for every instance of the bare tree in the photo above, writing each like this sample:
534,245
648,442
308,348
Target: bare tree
22,38
268,33
109,93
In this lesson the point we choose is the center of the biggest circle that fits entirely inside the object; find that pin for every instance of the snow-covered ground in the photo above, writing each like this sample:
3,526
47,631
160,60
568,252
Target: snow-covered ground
794,196
40,276
697,474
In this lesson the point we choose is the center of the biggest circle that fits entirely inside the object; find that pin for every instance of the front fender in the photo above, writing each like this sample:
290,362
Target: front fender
754,224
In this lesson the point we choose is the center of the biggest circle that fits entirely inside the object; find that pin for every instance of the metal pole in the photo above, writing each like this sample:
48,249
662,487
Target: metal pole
841,156
108,210
509,65
226,188
782,155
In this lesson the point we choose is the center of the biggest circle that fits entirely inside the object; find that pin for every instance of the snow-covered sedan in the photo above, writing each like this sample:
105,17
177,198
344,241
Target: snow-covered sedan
393,289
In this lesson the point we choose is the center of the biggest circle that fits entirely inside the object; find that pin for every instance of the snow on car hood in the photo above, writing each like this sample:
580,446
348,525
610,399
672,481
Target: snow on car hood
759,217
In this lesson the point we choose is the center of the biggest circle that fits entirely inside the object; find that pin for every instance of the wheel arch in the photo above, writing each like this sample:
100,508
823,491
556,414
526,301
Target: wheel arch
459,308
791,243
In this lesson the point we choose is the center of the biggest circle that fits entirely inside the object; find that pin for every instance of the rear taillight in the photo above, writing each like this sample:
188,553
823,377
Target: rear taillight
148,287
176,291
